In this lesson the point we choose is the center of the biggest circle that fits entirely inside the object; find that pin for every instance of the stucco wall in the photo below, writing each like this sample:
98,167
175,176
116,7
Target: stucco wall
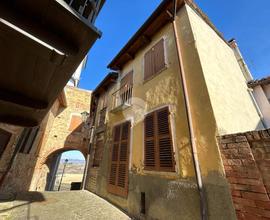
170,195
232,105
263,103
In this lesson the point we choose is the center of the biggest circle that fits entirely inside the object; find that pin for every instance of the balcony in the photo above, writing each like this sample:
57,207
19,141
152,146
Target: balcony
41,45
121,99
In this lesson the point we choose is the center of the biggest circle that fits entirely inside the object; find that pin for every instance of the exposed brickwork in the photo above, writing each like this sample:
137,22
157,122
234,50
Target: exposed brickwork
246,160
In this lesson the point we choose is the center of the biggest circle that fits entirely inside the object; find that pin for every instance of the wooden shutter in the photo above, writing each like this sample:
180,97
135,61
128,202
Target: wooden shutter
118,176
158,150
159,56
148,65
98,153
149,142
154,60
164,141
4,140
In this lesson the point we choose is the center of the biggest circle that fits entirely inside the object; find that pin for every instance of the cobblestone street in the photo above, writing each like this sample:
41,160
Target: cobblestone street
69,205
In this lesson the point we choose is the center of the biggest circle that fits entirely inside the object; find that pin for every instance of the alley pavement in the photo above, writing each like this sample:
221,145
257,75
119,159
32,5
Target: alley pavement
64,205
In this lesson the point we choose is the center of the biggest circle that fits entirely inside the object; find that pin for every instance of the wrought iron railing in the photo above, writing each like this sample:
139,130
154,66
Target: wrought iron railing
86,8
122,96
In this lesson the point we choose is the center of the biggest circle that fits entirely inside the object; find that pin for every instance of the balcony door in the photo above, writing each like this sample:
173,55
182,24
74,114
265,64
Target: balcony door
119,161
126,88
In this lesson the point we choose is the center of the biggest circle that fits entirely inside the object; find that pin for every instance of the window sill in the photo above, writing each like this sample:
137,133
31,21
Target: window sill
164,174
156,74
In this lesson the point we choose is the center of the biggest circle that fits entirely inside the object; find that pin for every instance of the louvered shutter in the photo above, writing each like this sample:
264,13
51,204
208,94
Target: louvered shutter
164,141
148,65
154,60
4,139
98,153
159,56
158,150
149,142
118,178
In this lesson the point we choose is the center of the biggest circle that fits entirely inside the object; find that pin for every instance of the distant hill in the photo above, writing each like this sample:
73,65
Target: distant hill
73,161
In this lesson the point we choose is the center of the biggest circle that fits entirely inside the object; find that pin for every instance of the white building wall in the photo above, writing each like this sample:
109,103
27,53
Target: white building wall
262,95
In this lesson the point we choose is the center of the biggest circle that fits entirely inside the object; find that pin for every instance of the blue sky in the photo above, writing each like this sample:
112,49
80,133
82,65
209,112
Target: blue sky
73,154
246,21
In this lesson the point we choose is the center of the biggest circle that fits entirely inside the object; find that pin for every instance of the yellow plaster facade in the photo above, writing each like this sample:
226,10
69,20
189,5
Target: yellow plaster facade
220,104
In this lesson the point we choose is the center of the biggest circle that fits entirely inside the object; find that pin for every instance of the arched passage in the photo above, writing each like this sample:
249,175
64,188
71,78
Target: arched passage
59,174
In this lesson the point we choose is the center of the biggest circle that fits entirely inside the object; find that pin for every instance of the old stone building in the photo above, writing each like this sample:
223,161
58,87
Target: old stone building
38,148
155,151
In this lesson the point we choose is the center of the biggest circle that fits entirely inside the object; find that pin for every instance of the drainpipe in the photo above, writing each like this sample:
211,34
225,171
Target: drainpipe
240,60
183,80
88,157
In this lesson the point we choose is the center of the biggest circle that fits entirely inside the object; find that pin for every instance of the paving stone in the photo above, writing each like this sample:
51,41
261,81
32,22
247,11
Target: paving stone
69,205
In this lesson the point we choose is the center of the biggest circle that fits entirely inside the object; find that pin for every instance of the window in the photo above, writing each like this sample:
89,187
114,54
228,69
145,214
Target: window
98,153
154,60
27,139
118,175
102,117
158,149
4,140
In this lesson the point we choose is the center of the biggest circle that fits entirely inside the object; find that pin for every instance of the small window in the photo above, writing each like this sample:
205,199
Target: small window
154,60
158,148
4,140
98,153
27,139
102,117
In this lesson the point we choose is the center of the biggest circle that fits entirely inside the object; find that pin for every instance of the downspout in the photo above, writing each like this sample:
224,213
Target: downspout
88,157
93,99
183,81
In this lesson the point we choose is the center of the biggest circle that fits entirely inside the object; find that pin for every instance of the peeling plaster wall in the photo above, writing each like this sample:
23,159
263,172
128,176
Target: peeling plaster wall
169,195
232,105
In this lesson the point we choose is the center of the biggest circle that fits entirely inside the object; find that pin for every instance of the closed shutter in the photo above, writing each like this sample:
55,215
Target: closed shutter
164,140
154,60
118,176
98,153
159,56
148,65
149,141
158,150
4,140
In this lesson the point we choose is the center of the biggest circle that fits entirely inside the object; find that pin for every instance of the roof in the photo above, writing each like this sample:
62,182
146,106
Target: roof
105,83
153,24
263,81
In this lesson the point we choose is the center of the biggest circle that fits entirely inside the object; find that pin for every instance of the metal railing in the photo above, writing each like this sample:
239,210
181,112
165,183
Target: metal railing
122,96
86,8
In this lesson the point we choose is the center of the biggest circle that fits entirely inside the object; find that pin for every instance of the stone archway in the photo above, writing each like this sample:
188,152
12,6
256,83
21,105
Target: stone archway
48,166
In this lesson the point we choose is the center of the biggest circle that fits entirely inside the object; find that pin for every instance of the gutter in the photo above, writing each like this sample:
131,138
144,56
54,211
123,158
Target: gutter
183,81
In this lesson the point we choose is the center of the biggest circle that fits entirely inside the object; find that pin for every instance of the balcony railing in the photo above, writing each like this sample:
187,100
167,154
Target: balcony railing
86,8
122,97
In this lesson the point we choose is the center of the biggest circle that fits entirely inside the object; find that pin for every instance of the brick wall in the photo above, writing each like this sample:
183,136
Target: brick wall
246,160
